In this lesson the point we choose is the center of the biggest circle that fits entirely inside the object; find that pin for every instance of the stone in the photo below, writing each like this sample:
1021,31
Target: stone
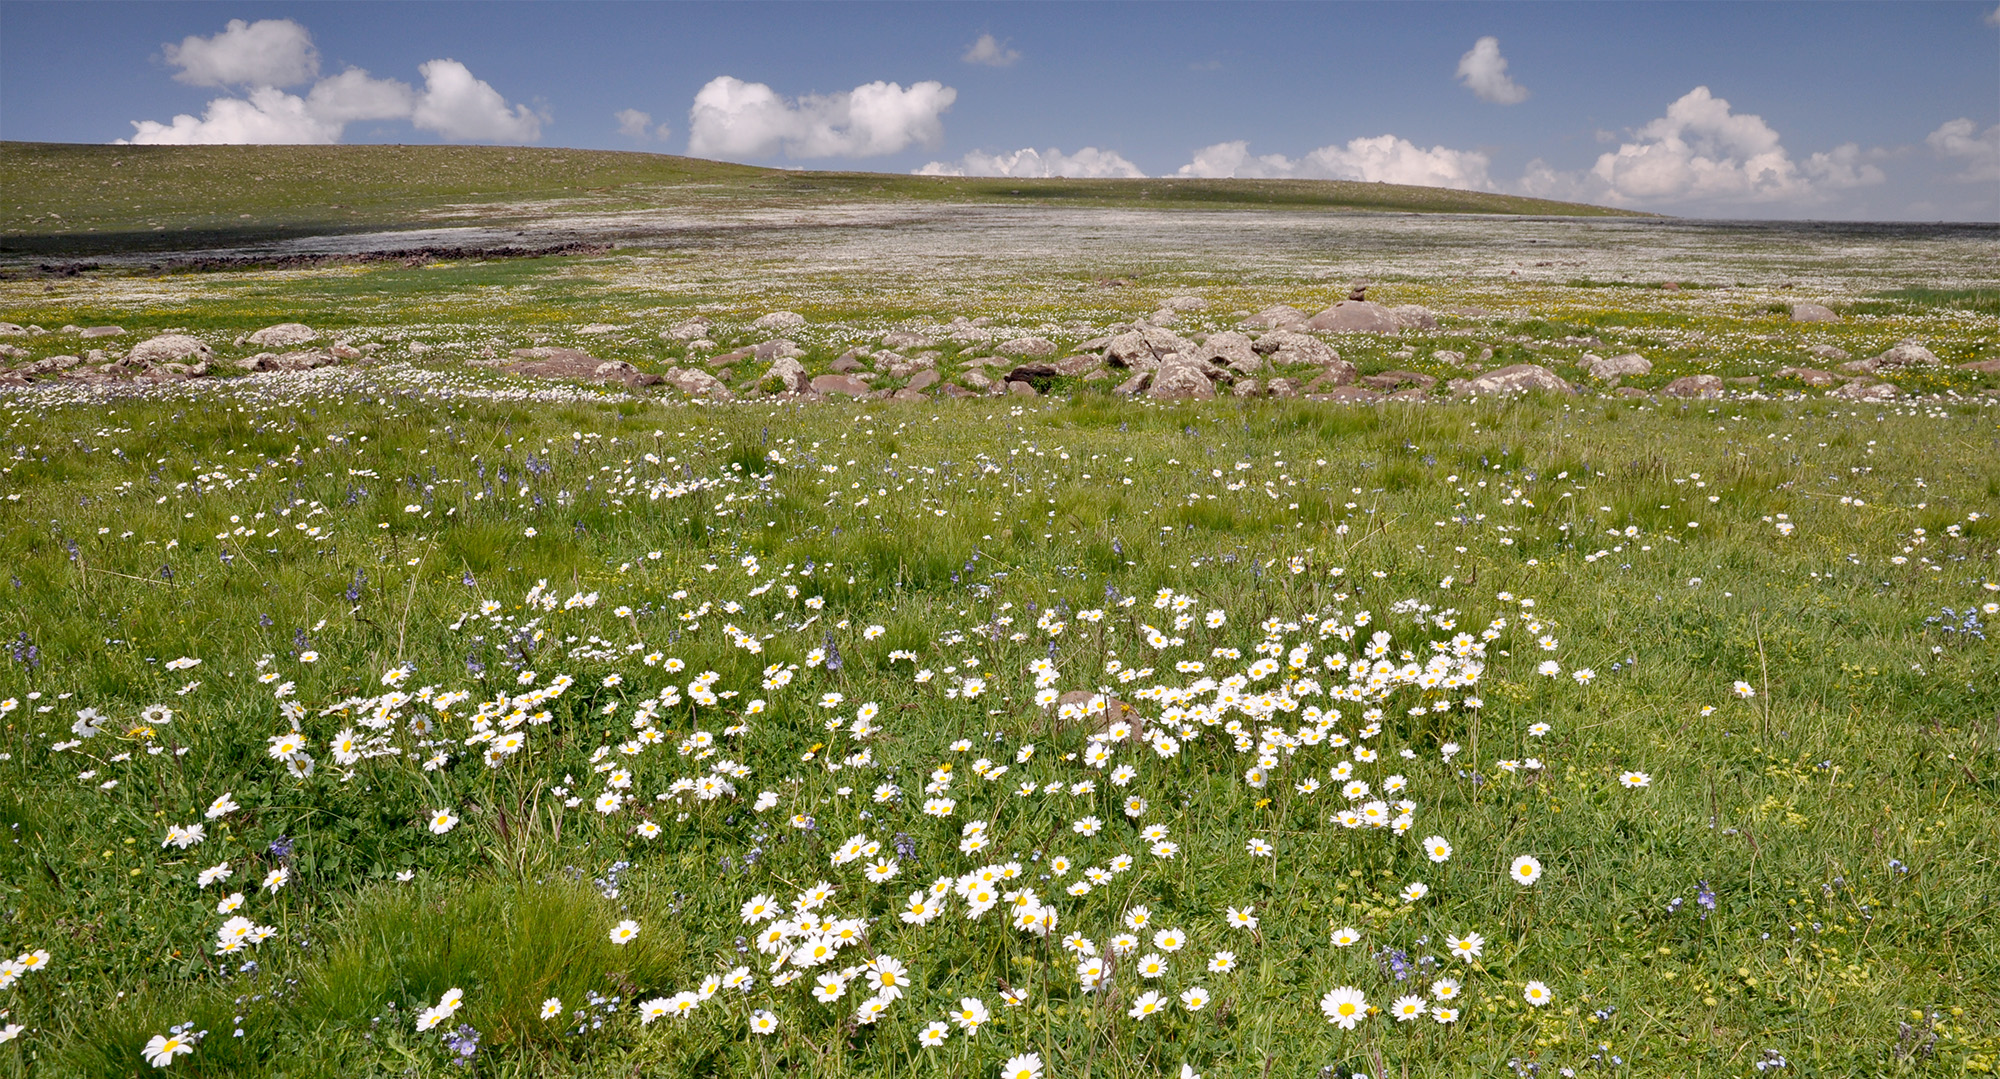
1347,395
12,329
1702,387
723,359
1807,375
1396,380
1097,374
1245,388
905,339
977,380
1276,317
1282,387
1027,346
14,352
847,364
548,362
1039,375
1144,348
692,329
1605,368
790,373
923,380
50,364
1134,385
1448,357
101,331
1630,391
1984,367
1077,365
1412,316
1162,317
779,322
1862,389
1022,389
168,347
297,360
616,371
953,389
1285,347
1179,379
1905,354
1230,349
1514,378
598,329
1356,316
1184,303
284,335
697,383
771,350
908,394
1812,312
1828,353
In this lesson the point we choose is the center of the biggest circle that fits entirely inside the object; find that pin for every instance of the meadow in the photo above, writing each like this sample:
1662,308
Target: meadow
403,717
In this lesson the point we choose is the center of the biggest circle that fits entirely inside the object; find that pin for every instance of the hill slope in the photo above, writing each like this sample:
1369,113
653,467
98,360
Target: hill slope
64,198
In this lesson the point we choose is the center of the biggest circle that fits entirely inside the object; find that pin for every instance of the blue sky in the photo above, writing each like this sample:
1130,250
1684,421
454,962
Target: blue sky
1828,110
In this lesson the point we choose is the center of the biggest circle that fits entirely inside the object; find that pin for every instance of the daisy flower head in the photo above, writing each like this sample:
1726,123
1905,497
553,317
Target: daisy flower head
1146,1005
933,1035
1222,963
163,1048
551,1008
1194,999
624,932
1526,870
1407,1008
1246,918
1743,690
443,821
1346,937
1444,1016
970,1015
277,878
1258,848
1537,994
763,1022
1466,947
1344,1007
1444,988
1635,780
221,807
1415,891
1436,847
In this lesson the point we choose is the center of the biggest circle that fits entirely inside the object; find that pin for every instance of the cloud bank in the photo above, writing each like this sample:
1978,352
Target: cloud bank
990,52
264,56
1386,159
1484,71
1961,140
733,118
1089,162
636,124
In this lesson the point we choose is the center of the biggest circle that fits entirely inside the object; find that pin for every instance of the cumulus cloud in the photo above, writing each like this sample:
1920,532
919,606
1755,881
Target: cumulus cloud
268,52
356,95
1484,71
270,115
635,124
1702,151
1089,162
1961,140
733,118
1993,17
463,108
1384,158
990,52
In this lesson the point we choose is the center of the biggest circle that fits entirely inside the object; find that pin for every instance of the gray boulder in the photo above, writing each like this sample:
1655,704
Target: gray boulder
1289,347
284,335
1356,316
1605,368
779,322
1184,303
1412,316
790,372
1905,354
776,349
1812,312
1230,349
1828,353
1702,387
1181,379
168,347
1515,378
1807,375
697,383
12,329
1276,317
1145,347
1027,346
690,330
1862,389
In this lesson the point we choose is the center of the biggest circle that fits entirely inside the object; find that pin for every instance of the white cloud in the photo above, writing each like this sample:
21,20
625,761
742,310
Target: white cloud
1484,71
462,108
355,95
733,118
1089,162
269,116
268,52
1384,158
1993,17
636,124
1701,151
990,52
1962,140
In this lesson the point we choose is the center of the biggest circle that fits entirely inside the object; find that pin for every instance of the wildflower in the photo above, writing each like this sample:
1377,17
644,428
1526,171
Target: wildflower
1526,870
763,1022
1146,1005
277,878
163,1048
649,1010
1635,779
624,931
1259,848
1194,999
1152,966
1407,1008
221,807
1444,1015
1444,988
184,838
933,1035
1415,890
1025,1066
1466,947
1537,994
220,871
1346,937
551,1008
970,1015
1344,1007
1243,919
1436,847
1222,963
443,821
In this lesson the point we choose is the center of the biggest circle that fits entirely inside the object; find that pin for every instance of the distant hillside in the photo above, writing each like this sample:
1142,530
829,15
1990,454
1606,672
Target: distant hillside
75,199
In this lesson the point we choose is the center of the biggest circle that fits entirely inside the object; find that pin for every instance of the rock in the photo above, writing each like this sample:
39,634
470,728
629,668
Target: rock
1181,379
616,371
1514,378
1807,375
1286,347
1862,389
1607,368
167,347
908,394
923,380
905,339
1905,354
1022,389
1985,367
1134,385
1184,303
1230,349
977,380
101,331
1448,357
346,352
1828,353
1027,346
697,383
1097,374
12,329
50,364
1330,379
1347,395
953,389
1039,375
1859,367
847,364
284,335
1396,380
298,360
1812,312
1412,316
690,330
1162,317
1282,387
1703,387
1144,348
1077,365
1276,317
779,322
771,350
1356,316
598,329
790,373
545,362
14,352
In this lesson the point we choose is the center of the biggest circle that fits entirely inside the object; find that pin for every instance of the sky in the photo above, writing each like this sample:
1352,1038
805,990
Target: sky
1822,110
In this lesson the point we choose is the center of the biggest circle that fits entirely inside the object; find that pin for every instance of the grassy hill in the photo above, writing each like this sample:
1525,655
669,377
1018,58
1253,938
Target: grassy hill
64,198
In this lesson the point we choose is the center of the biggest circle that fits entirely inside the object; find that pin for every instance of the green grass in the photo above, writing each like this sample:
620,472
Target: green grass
1843,818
